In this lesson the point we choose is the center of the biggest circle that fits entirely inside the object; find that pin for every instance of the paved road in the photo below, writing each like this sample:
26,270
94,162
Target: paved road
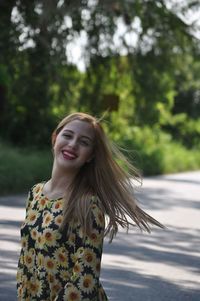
163,266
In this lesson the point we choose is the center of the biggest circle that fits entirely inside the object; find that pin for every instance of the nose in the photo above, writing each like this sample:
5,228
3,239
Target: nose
73,143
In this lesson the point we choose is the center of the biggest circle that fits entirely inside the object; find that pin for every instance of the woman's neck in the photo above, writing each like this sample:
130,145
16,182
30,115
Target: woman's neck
59,182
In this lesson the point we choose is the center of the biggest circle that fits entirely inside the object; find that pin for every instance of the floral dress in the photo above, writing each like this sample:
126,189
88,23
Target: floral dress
54,266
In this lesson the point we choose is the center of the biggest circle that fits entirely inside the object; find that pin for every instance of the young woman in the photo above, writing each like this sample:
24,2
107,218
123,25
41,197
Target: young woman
62,235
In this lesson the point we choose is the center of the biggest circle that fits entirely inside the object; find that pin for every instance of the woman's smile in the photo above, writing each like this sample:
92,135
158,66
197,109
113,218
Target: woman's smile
69,155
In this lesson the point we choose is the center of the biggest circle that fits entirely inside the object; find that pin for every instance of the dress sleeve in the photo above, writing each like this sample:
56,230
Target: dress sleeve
23,242
84,283
33,192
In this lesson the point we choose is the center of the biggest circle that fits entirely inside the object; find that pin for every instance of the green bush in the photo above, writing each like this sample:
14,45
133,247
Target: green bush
21,168
185,130
152,150
149,149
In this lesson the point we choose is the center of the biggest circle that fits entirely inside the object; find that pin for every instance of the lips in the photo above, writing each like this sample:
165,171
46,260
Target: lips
69,155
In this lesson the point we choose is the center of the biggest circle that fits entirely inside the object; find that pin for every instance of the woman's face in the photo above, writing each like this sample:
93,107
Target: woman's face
74,145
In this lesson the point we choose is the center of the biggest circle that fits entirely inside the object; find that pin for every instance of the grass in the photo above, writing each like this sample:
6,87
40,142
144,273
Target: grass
21,168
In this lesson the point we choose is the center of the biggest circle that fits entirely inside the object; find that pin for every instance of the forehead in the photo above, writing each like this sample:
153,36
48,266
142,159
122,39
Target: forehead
82,128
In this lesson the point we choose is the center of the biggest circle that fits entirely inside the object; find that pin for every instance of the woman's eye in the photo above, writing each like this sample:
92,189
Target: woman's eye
85,143
68,136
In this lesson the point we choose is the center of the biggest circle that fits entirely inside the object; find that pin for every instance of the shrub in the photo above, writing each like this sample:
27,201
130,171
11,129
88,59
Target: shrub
21,168
154,151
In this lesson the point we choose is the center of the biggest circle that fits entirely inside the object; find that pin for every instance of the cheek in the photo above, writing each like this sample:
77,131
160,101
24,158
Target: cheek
89,155
59,142
56,148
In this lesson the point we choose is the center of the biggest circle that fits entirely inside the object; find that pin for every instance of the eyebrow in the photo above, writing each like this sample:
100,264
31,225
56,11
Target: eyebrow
82,136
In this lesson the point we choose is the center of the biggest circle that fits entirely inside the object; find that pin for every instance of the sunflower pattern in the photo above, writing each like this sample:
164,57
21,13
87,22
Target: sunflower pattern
54,266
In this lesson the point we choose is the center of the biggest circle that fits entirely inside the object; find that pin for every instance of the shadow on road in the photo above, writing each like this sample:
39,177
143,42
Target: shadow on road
174,248
161,200
170,192
13,201
139,287
170,247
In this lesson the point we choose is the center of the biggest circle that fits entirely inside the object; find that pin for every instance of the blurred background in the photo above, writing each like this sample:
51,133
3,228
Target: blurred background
135,62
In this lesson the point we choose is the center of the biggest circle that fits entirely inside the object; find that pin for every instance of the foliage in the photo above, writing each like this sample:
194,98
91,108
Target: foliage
185,130
21,168
141,69
151,150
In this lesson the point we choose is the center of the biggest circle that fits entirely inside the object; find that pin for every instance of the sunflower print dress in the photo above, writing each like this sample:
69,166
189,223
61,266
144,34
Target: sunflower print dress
53,266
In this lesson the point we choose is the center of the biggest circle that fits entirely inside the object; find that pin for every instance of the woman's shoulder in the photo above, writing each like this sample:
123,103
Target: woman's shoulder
34,193
36,189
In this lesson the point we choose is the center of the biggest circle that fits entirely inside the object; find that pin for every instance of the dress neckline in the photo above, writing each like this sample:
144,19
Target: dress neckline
46,196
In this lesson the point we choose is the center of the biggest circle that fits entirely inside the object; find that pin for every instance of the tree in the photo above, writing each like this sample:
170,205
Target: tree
37,33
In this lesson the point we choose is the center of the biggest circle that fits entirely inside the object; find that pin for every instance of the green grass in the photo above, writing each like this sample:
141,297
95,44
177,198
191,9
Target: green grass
22,168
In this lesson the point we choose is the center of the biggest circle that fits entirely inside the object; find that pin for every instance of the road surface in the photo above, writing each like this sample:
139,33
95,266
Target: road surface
162,266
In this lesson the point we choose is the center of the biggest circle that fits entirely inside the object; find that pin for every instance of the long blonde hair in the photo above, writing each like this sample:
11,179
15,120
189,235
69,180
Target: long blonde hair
104,178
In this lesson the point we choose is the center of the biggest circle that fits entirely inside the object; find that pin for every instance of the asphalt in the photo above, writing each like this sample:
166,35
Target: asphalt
161,266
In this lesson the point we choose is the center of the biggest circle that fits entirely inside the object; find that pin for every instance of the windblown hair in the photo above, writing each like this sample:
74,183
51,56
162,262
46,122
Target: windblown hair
104,178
